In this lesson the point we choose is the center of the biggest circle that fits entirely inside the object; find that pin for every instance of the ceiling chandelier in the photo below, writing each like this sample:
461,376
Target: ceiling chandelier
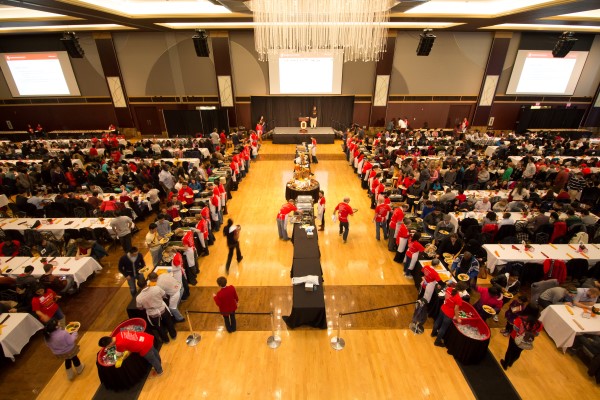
358,27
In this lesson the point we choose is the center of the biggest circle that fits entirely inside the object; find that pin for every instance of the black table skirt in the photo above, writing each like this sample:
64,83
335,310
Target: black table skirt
133,369
294,193
305,247
308,308
306,266
464,349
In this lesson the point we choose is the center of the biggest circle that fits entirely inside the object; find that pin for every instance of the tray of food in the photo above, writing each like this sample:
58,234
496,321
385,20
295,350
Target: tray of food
489,310
73,327
463,277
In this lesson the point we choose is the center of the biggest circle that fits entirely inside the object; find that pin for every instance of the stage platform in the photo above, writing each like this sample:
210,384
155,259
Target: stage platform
292,135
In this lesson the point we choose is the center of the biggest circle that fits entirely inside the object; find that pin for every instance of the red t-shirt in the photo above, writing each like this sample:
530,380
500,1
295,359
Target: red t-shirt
414,247
403,233
45,303
188,239
322,201
285,210
381,212
343,210
451,302
201,226
183,192
397,216
134,342
226,299
429,275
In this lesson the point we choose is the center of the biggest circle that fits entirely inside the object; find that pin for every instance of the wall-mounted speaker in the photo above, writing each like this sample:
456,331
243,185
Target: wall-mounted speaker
71,43
201,43
564,45
425,42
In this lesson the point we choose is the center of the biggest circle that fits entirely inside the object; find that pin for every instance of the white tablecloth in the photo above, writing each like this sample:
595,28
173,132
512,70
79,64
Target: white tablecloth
3,200
560,325
16,332
500,254
57,227
80,269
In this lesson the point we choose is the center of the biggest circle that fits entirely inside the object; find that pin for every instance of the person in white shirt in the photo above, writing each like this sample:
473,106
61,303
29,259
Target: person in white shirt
166,178
483,205
506,220
151,300
172,288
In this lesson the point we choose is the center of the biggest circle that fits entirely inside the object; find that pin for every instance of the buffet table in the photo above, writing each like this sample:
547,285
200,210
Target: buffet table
465,349
16,331
80,269
292,193
562,327
500,254
308,308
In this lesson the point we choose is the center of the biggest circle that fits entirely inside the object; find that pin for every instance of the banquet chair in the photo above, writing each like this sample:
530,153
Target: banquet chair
506,231
577,268
25,251
49,236
87,234
71,234
80,212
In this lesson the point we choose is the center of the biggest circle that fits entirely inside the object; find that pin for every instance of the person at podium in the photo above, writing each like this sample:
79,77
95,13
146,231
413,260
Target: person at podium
313,118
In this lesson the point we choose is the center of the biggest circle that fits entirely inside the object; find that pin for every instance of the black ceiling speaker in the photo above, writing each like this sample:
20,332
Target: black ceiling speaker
71,43
425,43
201,43
564,45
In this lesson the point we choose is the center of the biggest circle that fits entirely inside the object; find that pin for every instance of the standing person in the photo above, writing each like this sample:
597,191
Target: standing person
122,226
282,218
172,288
449,312
151,300
382,211
233,243
343,211
313,150
412,254
63,345
153,242
129,265
135,342
515,308
227,301
527,326
402,237
321,210
313,118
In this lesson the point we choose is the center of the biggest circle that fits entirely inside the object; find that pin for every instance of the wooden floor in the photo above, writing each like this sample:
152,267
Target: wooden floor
382,359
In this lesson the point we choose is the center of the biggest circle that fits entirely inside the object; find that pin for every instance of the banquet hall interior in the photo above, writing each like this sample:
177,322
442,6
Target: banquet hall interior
468,131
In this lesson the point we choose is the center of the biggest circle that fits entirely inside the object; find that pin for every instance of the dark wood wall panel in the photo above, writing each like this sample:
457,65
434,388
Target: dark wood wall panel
505,115
361,113
243,112
593,118
436,115
59,117
378,116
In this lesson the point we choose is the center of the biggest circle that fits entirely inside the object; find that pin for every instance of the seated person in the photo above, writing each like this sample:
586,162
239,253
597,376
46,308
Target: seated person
10,248
109,205
26,278
48,249
586,298
506,220
556,295
60,284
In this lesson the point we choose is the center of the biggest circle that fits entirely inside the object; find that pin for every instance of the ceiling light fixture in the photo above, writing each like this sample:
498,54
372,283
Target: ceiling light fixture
294,26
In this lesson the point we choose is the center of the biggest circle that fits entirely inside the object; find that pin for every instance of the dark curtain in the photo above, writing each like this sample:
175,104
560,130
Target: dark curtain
549,118
193,122
333,111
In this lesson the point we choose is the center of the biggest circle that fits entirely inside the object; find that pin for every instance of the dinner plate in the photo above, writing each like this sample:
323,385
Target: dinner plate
73,327
176,219
418,220
489,310
444,232
196,191
463,277
508,295
447,255
189,196
410,196
164,241
184,210
432,227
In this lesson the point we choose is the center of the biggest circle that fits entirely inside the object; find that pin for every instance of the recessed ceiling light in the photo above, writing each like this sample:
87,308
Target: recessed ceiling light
544,27
482,8
53,28
140,8
8,12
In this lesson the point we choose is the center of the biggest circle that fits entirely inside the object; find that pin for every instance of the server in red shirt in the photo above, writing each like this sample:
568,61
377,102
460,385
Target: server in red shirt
382,211
282,217
135,342
397,218
449,312
186,194
343,211
402,237
412,254
321,210
227,301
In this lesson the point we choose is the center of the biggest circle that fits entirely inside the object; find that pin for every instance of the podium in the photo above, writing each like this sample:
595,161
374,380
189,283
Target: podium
303,124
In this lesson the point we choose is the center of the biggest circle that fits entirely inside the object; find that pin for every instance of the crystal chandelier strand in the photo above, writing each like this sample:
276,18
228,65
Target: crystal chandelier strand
354,26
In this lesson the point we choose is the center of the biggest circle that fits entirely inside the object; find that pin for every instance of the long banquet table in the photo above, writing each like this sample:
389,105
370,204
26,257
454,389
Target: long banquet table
16,331
500,254
562,326
80,269
58,225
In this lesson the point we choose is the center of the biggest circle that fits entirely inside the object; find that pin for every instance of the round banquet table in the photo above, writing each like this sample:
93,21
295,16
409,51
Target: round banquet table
294,193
